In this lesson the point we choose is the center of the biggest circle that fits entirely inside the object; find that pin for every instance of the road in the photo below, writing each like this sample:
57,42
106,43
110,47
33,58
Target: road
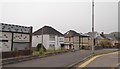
106,61
57,61
62,60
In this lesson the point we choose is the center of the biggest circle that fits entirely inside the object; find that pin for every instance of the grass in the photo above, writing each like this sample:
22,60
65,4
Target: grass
38,53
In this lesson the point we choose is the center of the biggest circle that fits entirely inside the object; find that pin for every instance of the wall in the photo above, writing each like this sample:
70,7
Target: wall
21,41
76,42
5,41
14,36
36,39
54,44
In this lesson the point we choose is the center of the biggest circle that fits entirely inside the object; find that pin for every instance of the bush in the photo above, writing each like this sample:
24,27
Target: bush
39,46
105,43
41,49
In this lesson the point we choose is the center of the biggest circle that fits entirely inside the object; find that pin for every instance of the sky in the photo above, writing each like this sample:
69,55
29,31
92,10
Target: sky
63,15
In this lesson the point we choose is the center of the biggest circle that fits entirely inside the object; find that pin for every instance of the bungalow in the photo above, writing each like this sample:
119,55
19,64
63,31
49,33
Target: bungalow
51,38
15,38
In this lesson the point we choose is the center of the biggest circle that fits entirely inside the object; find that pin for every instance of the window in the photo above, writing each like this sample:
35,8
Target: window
37,36
52,37
60,39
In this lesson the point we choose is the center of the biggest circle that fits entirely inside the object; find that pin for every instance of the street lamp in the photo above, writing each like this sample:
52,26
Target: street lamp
92,26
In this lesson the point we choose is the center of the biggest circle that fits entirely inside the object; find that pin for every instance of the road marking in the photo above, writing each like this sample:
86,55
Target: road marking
89,61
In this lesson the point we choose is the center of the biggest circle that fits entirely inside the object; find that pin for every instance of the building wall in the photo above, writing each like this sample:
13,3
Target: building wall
19,37
72,40
85,41
5,41
76,42
21,41
15,37
47,41
56,44
38,39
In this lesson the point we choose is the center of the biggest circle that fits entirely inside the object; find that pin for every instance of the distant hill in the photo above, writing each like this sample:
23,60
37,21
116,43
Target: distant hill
114,35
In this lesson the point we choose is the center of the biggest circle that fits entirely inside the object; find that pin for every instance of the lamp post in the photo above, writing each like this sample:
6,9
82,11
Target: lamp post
92,26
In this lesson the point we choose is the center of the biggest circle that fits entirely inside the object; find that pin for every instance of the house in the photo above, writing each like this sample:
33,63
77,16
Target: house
97,38
15,38
84,41
72,39
101,40
50,37
76,40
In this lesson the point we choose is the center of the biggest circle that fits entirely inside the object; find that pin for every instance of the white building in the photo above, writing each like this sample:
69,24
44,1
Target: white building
15,37
51,38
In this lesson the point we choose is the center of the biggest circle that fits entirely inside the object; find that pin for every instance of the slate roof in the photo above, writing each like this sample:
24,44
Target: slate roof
71,33
47,30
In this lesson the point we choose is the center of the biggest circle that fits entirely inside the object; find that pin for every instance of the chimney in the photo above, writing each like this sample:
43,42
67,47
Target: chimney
102,33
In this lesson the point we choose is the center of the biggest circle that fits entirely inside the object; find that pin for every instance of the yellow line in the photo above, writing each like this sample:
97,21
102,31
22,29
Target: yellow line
89,61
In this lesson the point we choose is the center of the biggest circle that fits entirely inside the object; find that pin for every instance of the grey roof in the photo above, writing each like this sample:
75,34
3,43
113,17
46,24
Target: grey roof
99,36
95,34
71,33
47,30
85,35
15,28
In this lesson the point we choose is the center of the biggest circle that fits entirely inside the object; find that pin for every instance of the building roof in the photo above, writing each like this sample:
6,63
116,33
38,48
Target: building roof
47,30
71,33
99,35
106,37
96,34
15,28
84,35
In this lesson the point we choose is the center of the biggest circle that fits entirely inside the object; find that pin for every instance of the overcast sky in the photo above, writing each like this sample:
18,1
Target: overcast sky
62,15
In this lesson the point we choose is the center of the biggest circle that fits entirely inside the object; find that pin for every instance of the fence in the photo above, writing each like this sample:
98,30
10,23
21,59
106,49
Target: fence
16,53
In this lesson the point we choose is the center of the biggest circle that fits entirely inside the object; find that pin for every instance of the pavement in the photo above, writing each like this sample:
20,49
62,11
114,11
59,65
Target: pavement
61,60
103,61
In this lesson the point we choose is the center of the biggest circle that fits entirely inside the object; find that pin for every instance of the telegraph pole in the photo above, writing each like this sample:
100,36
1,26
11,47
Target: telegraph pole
42,39
93,26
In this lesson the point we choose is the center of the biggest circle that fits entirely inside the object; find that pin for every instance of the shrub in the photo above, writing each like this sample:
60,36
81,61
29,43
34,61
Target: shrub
41,49
39,46
105,43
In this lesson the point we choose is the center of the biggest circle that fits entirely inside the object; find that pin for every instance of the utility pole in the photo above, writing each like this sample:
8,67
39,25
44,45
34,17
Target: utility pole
42,39
93,26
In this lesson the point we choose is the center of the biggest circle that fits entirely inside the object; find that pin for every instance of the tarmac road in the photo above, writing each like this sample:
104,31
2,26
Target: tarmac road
61,60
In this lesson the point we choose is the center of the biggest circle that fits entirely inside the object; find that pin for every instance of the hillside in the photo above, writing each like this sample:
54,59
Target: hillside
114,35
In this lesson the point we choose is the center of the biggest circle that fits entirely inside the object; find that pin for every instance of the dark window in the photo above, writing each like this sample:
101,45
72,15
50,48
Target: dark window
3,40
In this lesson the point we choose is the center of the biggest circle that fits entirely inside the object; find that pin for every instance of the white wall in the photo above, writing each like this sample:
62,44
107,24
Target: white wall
57,46
46,42
5,46
60,41
6,36
21,37
38,39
